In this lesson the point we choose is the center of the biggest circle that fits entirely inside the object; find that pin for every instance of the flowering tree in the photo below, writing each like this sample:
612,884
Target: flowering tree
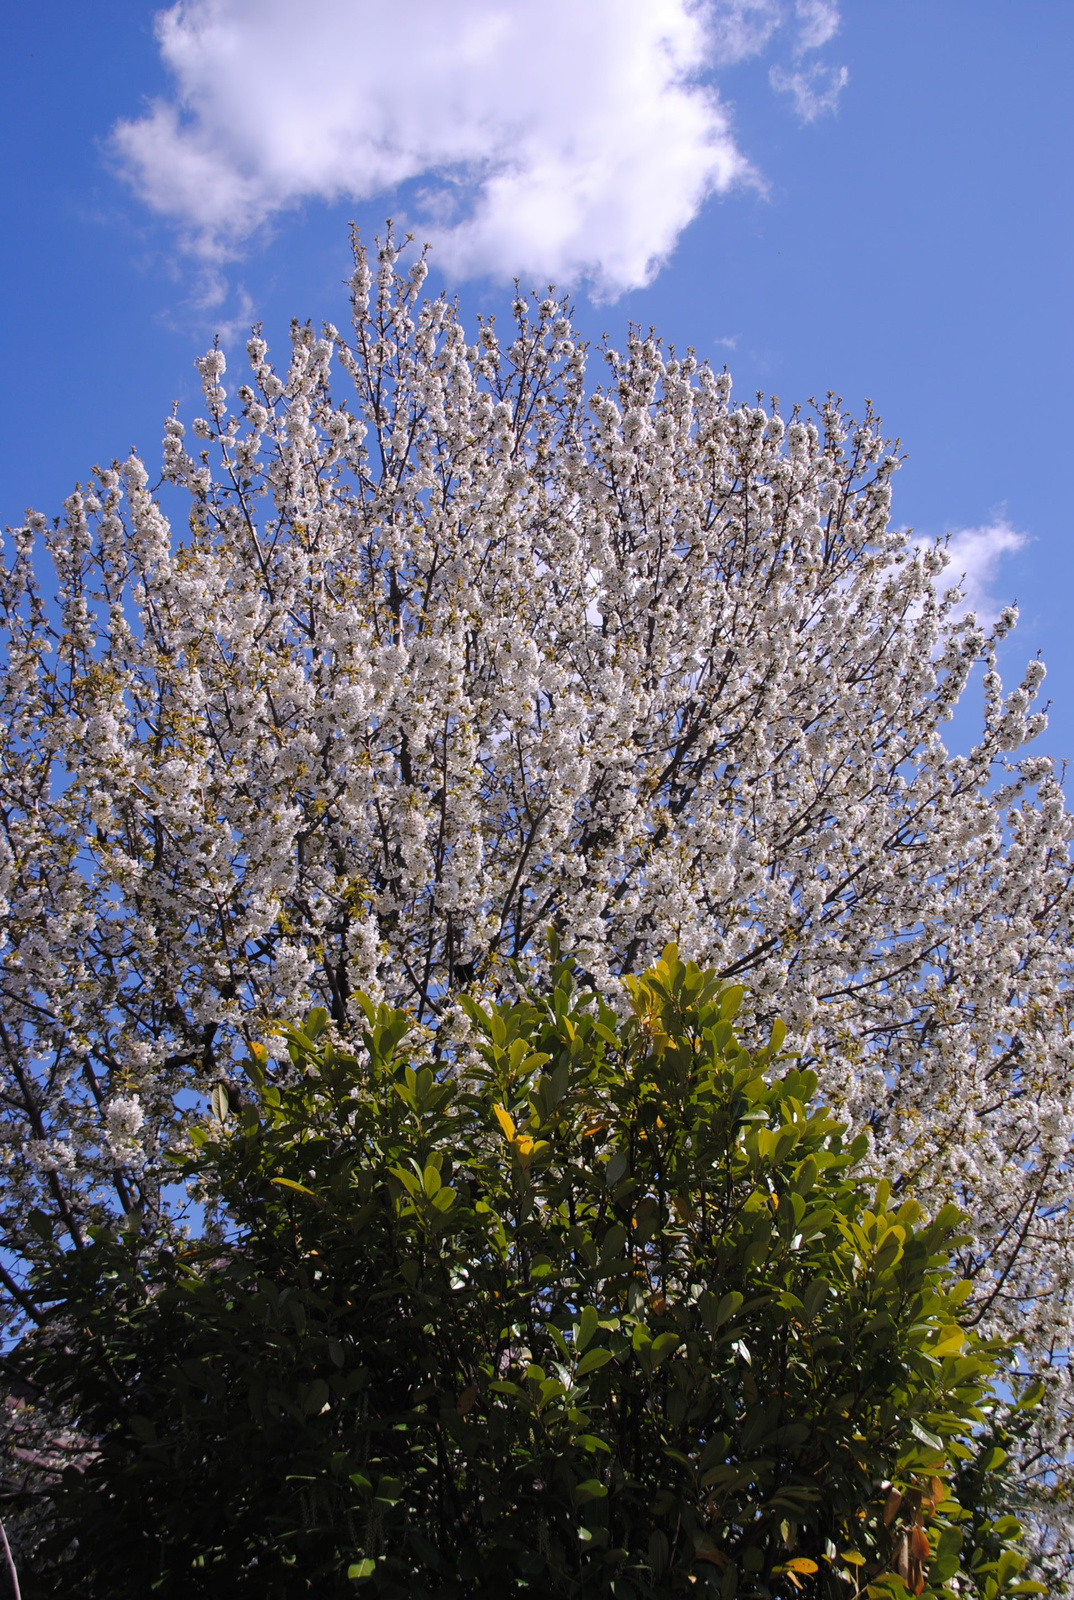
480,652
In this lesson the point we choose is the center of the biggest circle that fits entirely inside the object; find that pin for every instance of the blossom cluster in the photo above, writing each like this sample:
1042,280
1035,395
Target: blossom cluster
482,649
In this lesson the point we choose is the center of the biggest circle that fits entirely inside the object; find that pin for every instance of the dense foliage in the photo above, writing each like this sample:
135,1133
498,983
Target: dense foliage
606,1310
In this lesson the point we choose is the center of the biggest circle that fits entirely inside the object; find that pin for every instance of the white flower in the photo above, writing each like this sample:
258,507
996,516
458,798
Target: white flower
124,1118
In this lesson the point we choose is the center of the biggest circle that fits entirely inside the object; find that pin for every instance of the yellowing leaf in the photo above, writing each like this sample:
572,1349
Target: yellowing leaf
466,1400
299,1188
220,1101
801,1564
506,1122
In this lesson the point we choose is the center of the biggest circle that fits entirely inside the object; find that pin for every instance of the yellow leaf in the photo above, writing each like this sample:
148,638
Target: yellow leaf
505,1122
801,1564
527,1149
299,1188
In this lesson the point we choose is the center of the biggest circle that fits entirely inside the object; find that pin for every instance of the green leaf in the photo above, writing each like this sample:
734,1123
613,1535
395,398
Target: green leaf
727,1307
411,1182
40,1224
362,1569
731,999
315,1398
663,1346
591,1361
316,1022
951,1342
814,1297
586,1327
933,1440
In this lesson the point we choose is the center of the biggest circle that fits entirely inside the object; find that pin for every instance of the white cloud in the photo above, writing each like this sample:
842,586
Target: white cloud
813,89
815,86
818,21
974,558
739,29
562,140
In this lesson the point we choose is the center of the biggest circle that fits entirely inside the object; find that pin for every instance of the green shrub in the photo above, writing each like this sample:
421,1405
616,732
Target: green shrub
604,1310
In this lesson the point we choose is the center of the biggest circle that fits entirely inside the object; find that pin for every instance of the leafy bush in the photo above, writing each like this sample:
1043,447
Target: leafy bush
604,1309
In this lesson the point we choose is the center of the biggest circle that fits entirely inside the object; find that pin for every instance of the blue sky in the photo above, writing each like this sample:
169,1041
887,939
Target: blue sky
888,216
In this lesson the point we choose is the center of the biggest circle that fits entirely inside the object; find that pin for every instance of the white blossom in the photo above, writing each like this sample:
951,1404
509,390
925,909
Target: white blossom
123,1121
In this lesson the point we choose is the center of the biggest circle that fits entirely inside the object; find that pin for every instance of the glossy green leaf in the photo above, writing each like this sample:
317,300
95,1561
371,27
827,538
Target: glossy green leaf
592,1361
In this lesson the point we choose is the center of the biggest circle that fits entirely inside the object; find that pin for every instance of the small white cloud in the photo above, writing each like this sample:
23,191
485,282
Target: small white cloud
813,89
739,29
818,21
728,342
571,140
974,557
815,86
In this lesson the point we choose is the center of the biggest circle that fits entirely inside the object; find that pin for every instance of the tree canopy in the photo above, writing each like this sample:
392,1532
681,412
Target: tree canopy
373,686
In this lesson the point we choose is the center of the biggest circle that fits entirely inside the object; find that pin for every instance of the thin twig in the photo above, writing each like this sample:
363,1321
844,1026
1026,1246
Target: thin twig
10,1562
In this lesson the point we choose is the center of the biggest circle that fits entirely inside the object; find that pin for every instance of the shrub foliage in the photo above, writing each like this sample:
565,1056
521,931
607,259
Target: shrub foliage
607,1309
